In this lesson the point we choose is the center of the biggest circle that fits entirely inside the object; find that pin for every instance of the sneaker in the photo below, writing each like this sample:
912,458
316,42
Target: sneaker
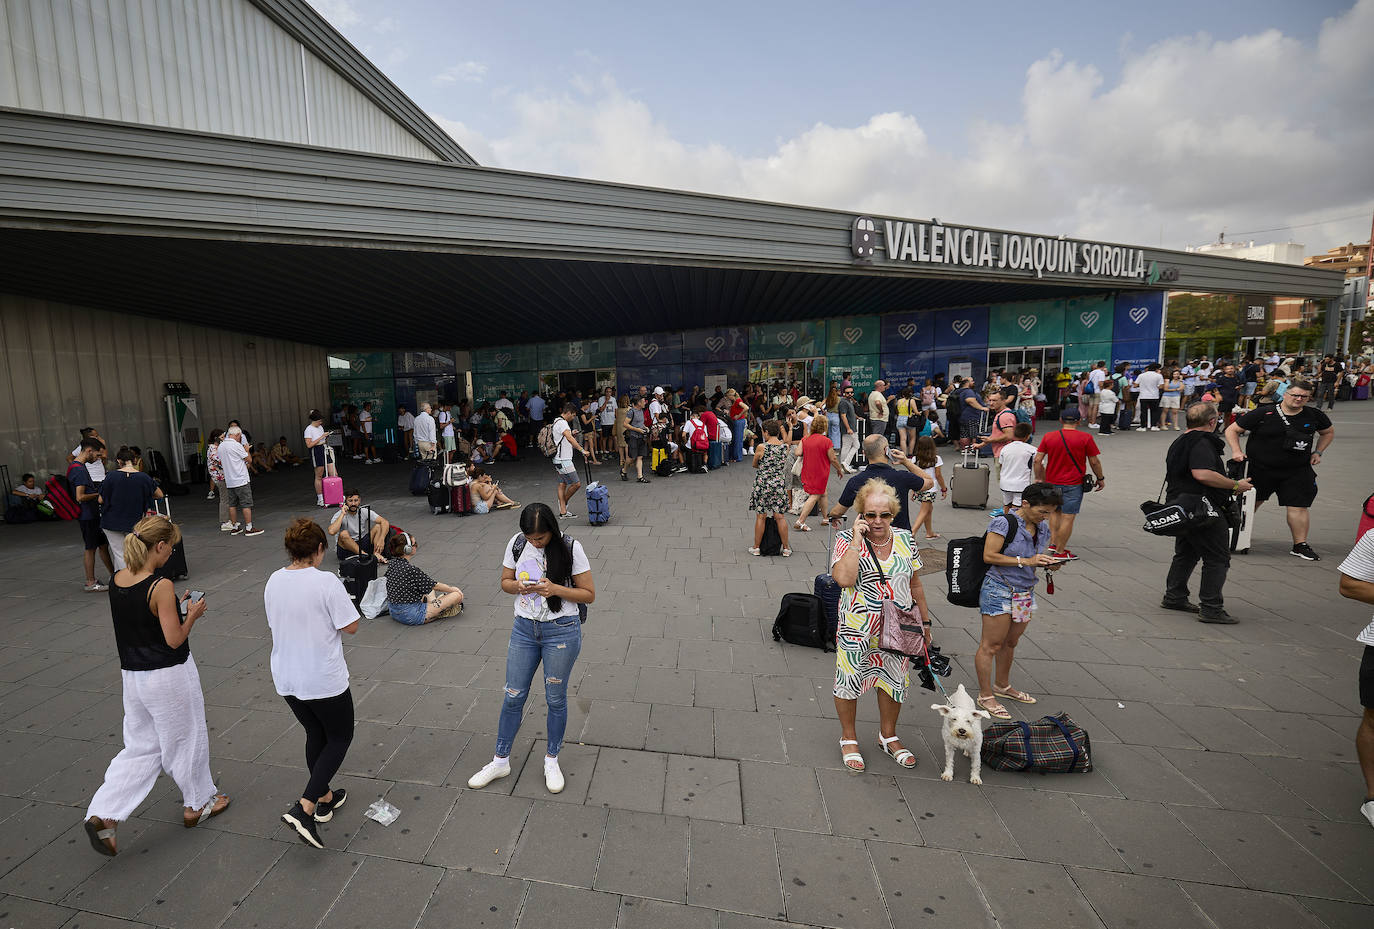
210,495
303,823
324,812
357,457
1095,426
1367,808
553,776
237,530
1183,606
1219,617
494,769
1154,428
1065,553
251,531
227,526
96,587
568,515
368,461
1304,551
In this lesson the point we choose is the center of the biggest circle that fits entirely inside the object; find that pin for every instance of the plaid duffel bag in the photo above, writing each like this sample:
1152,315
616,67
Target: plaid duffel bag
1052,744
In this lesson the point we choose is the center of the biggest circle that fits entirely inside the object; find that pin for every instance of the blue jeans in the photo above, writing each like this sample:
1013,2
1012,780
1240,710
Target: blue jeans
737,439
834,420
556,644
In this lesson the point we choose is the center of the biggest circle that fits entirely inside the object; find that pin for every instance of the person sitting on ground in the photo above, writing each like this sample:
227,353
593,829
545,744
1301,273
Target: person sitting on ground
413,596
282,456
486,493
262,459
28,494
360,529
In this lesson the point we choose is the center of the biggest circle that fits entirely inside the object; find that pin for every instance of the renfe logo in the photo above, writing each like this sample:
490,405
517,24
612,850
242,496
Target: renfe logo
853,334
1090,319
648,350
962,326
906,331
863,236
1026,322
1138,314
714,344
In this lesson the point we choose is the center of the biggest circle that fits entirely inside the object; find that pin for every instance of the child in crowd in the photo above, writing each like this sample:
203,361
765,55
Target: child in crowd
932,464
1015,465
1106,406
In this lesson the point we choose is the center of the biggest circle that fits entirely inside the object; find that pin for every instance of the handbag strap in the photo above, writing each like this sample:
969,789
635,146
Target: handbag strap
1082,469
1026,739
1073,743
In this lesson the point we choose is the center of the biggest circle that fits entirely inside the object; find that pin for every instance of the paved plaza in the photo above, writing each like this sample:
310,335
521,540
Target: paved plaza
704,782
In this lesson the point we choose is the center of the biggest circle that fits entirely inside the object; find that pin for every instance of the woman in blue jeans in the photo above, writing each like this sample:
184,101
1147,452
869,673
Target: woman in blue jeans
550,578
1008,595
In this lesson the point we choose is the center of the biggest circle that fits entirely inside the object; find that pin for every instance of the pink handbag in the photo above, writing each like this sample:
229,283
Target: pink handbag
902,631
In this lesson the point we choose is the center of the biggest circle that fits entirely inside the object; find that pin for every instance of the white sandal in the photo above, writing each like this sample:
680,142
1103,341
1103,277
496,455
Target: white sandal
847,757
901,755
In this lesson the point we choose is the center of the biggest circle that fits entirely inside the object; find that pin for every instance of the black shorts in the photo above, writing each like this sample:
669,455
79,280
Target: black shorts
607,430
1294,486
635,446
317,455
1367,678
91,535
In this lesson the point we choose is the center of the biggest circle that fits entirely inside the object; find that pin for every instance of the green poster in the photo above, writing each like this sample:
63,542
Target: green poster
863,370
381,391
347,366
1088,319
1081,356
1038,322
577,356
852,335
505,358
804,339
489,386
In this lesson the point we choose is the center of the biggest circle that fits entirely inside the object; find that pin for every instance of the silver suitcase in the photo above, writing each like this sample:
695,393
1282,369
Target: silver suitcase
969,483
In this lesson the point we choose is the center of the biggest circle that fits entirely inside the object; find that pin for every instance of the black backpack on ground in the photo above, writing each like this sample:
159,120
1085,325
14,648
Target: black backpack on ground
965,567
772,538
801,621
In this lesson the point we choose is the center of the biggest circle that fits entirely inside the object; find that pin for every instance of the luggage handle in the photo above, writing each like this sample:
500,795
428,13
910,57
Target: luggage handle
1026,739
162,506
1073,743
331,468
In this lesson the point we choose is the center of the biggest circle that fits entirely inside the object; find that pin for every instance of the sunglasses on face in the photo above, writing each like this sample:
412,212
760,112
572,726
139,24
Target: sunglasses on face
884,516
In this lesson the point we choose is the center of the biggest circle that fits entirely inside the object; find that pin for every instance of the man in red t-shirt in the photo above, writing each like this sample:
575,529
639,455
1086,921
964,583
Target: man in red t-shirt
1062,458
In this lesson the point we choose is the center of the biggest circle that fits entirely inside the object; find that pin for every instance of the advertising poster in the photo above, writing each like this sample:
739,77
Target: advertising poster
381,391
489,386
1088,319
906,333
804,339
962,330
728,373
1081,356
344,366
897,369
852,335
652,348
1137,354
709,346
505,358
1039,322
581,355
629,380
1141,316
960,364
863,371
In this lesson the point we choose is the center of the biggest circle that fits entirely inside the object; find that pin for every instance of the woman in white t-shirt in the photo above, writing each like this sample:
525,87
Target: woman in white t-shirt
308,610
315,441
929,461
551,579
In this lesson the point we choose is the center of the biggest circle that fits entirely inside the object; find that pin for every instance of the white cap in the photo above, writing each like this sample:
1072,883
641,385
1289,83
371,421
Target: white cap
658,390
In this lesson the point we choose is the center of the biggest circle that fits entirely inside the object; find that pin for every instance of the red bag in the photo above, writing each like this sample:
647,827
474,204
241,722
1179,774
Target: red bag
60,496
1366,518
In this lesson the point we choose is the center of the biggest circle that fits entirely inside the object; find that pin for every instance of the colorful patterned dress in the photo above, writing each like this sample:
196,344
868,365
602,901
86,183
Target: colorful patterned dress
770,481
859,663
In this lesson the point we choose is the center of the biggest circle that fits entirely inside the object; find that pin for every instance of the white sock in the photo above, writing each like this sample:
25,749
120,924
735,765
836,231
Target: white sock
500,762
550,764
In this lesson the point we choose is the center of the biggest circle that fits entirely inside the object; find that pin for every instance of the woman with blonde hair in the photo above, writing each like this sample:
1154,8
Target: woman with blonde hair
873,562
164,709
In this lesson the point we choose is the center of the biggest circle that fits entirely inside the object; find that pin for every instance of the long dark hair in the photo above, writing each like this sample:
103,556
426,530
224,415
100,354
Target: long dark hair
536,518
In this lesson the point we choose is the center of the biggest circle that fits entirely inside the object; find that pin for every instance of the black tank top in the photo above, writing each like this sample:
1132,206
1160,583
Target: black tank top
138,634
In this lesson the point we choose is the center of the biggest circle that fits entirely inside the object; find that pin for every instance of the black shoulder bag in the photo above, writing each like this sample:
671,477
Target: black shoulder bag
1087,480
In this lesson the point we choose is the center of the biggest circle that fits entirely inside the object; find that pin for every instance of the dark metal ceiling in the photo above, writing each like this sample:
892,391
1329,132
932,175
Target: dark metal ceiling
399,299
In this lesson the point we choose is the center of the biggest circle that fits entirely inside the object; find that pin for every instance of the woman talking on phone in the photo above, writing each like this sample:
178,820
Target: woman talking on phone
550,578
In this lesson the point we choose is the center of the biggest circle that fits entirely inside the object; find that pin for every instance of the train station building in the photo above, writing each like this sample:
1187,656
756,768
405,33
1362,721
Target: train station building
229,196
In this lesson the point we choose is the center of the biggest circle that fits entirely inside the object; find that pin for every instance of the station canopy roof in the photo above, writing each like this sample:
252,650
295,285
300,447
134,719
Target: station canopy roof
353,250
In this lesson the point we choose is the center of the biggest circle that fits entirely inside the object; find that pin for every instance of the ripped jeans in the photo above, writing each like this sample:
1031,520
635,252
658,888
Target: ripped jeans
555,644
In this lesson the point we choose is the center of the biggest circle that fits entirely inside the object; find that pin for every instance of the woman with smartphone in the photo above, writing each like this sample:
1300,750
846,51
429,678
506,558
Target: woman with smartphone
551,580
164,709
315,439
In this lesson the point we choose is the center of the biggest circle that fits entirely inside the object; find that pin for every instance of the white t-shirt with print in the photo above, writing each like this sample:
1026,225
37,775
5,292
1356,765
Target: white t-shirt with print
306,608
532,566
1015,462
1359,564
606,405
233,458
560,437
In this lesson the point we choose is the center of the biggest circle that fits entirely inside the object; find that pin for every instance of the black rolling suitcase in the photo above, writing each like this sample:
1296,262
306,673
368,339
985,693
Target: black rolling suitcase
175,566
357,571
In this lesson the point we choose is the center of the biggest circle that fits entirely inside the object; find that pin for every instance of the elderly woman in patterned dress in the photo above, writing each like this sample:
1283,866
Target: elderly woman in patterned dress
859,664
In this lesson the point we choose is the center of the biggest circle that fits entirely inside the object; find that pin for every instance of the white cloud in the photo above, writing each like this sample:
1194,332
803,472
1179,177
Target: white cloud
341,14
473,72
1197,135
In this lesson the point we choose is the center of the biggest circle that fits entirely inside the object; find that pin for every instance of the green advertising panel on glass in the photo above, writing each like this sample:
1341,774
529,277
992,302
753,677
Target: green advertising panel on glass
1039,322
787,340
346,366
489,386
863,371
852,335
1082,356
1088,319
577,356
505,358
380,391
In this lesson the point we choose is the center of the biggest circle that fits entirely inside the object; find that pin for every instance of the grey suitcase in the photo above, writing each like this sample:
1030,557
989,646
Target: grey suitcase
969,482
1240,535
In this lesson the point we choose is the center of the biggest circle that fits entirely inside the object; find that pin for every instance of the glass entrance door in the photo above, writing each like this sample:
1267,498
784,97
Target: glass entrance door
1043,358
807,373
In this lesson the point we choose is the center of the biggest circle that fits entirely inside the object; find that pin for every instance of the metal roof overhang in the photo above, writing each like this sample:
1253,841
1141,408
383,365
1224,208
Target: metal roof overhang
344,249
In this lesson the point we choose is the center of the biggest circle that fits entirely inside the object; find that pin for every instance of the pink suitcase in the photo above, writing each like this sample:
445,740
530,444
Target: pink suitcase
332,485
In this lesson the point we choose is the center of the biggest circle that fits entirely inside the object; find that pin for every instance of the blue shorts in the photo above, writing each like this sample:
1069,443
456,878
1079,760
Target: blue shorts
1073,498
411,614
994,598
317,455
479,507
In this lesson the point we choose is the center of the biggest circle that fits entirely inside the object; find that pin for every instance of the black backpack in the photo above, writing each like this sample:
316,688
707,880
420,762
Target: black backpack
801,621
965,567
772,538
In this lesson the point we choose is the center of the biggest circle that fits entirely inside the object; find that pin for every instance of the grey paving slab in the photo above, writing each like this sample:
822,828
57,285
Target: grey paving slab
468,898
867,806
1233,908
121,888
39,851
208,889
786,796
1052,828
481,832
958,815
1342,847
617,724
559,844
1338,914
1235,783
644,855
33,914
703,788
1153,841
667,685
1299,737
426,756
577,762
548,906
928,887
1221,730
384,893
1330,788
629,780
96,921
1031,894
424,810
1121,900
636,913
298,891
734,867
829,881
749,736
1142,773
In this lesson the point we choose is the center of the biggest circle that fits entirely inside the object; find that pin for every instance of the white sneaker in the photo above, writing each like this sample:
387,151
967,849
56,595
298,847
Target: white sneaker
226,527
210,495
368,461
553,776
494,769
1095,426
1154,428
1368,810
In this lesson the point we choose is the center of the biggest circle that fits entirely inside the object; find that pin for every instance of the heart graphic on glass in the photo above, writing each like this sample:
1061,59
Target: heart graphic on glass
786,338
853,334
714,344
503,359
1138,314
1090,319
906,331
1025,322
648,350
962,326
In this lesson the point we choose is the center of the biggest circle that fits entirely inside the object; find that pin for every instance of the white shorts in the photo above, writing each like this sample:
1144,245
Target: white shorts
1169,403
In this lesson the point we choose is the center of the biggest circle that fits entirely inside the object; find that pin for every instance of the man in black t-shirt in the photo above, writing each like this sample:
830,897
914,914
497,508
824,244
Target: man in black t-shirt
902,474
1286,442
1231,384
1329,372
1193,469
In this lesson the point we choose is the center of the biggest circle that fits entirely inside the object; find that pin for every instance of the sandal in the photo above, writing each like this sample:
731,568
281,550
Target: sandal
1011,693
995,709
902,756
102,838
209,811
801,527
847,757
787,553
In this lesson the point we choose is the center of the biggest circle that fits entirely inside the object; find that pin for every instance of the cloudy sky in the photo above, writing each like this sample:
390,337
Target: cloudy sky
1162,124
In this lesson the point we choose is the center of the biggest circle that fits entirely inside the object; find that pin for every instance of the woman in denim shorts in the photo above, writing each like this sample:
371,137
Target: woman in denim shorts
1007,598
413,597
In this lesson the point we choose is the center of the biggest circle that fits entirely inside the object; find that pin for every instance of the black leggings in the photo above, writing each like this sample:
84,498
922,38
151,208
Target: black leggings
328,733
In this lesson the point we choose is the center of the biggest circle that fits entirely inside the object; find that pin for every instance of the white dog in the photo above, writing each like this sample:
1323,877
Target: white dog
963,730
